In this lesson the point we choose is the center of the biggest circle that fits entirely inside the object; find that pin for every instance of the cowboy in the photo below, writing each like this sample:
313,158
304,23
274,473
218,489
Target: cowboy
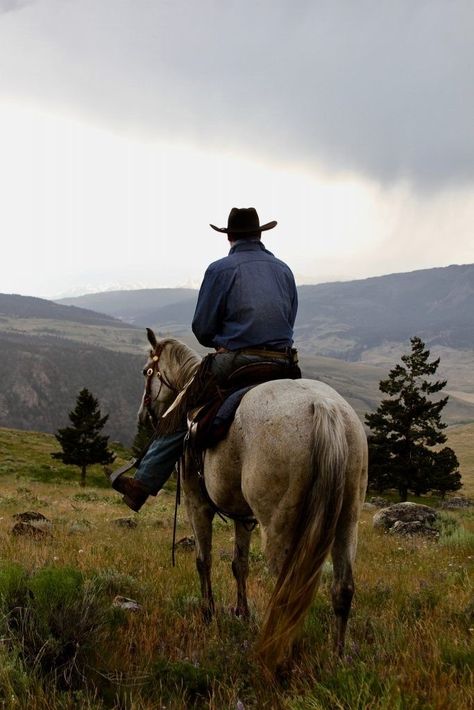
246,311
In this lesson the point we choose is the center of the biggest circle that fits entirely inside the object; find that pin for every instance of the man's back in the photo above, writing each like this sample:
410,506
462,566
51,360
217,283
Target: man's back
247,299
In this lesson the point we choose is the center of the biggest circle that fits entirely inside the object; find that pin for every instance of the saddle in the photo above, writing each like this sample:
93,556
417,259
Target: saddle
209,423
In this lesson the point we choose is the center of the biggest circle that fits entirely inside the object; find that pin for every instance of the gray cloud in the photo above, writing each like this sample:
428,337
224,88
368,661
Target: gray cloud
379,88
11,5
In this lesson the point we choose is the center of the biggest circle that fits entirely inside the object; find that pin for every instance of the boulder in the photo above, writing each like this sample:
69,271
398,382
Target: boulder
377,502
414,528
125,522
34,530
29,516
407,519
126,603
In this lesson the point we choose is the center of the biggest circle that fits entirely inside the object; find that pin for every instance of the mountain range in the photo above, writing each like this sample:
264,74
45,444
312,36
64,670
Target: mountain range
341,319
349,334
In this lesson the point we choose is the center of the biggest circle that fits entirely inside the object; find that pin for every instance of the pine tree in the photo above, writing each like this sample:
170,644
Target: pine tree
145,432
405,428
82,444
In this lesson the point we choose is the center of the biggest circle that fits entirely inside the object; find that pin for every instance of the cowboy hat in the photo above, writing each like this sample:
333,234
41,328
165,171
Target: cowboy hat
244,221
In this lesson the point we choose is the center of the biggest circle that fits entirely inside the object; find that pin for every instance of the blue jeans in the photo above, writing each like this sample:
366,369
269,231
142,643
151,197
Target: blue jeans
159,461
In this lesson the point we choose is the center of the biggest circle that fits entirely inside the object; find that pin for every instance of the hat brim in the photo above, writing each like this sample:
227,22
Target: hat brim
248,230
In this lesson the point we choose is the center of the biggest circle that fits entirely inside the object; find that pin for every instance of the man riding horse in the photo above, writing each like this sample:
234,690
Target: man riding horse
246,311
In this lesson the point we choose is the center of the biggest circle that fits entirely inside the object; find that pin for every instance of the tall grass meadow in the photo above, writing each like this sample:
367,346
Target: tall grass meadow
65,643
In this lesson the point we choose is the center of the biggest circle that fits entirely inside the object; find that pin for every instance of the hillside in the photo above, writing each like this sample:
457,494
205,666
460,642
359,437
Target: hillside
346,319
348,334
40,378
15,306
342,319
23,315
366,321
135,306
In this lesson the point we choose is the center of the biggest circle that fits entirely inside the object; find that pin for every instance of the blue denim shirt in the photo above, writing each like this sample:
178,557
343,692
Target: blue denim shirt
246,299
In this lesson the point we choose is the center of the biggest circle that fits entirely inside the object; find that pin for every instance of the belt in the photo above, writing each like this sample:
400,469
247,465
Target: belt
261,351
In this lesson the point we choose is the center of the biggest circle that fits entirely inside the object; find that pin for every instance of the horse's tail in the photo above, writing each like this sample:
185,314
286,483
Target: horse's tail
314,535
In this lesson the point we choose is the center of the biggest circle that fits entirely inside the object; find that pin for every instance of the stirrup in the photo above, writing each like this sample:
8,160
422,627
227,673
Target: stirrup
120,471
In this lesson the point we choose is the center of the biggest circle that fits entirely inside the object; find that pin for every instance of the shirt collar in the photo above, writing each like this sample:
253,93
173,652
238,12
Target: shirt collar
247,245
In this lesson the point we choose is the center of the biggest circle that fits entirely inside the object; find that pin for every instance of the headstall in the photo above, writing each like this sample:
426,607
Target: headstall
150,372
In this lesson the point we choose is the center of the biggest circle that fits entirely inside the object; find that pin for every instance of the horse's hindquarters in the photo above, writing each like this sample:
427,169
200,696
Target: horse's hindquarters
267,458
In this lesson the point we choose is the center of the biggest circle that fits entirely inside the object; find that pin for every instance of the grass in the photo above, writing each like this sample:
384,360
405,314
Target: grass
409,643
26,456
461,439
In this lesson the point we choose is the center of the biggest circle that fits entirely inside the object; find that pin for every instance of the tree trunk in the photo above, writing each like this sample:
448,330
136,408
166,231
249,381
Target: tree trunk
83,476
403,493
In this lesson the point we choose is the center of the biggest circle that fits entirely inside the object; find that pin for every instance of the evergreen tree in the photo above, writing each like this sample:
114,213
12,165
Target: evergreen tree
82,444
145,432
406,426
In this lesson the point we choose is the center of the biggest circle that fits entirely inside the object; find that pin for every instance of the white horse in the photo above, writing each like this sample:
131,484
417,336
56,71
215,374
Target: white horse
295,458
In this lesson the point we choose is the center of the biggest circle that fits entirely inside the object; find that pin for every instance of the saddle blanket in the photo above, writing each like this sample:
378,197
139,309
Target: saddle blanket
212,422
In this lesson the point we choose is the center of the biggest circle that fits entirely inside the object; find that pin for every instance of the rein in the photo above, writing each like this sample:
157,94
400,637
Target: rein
248,521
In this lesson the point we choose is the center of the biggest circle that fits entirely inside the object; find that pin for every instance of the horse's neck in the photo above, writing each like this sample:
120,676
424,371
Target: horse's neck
189,368
184,362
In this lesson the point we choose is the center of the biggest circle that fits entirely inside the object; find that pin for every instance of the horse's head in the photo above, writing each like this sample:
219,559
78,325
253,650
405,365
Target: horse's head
167,370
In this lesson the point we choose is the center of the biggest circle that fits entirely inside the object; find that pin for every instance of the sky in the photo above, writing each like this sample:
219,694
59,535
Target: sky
127,126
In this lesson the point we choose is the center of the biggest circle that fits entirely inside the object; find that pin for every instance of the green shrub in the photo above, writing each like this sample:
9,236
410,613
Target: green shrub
15,681
112,582
13,591
55,619
192,681
356,688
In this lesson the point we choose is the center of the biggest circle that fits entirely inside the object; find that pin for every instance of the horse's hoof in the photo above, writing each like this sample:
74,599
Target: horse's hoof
241,613
207,614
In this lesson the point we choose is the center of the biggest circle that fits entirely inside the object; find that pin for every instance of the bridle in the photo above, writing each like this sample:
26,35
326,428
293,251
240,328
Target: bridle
150,372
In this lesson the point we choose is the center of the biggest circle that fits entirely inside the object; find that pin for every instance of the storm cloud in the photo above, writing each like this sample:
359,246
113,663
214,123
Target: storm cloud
381,89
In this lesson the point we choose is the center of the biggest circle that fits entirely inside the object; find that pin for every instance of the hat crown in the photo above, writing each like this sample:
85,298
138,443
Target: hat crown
244,220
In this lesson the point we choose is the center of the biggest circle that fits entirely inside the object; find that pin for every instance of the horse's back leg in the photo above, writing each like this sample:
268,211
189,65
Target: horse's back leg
343,555
240,567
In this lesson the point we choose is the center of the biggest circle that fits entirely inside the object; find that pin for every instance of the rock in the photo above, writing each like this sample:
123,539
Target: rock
368,506
414,528
30,515
34,530
185,543
377,501
125,522
407,519
456,503
126,603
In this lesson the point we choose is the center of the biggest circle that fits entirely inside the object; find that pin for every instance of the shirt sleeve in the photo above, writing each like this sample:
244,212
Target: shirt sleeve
210,307
294,304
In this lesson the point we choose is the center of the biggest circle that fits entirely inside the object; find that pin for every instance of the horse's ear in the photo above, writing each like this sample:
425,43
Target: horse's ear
151,338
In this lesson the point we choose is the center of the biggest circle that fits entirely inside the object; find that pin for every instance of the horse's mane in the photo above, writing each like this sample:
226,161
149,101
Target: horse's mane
183,358
180,364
